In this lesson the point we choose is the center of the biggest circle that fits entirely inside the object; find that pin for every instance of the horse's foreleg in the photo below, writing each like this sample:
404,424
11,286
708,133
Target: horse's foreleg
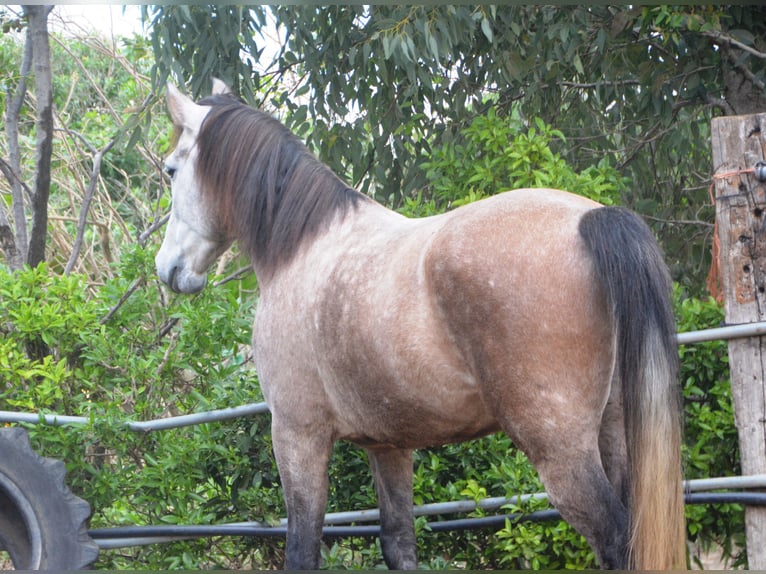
392,470
302,458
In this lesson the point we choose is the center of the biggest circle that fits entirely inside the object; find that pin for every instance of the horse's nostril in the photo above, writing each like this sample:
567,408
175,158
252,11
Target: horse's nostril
172,278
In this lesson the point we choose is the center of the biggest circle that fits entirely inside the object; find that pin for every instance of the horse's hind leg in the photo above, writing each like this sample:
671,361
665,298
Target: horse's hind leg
578,487
302,457
611,443
392,470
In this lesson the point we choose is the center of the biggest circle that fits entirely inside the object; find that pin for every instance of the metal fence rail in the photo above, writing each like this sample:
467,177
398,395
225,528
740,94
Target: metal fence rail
141,426
355,523
727,332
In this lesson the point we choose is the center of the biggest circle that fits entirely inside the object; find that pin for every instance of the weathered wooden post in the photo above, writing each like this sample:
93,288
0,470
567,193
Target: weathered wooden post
739,144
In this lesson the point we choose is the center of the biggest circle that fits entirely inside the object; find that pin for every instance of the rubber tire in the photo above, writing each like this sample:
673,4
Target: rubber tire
43,526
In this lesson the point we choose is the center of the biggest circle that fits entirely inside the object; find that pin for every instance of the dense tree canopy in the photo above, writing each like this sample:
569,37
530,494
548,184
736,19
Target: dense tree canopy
376,88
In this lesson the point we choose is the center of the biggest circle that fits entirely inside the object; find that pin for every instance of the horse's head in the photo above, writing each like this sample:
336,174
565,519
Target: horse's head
193,239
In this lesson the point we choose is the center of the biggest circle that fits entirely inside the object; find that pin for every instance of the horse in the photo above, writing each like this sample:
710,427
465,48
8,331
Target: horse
535,311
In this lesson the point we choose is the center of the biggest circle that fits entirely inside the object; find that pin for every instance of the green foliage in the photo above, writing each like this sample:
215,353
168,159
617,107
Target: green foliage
494,154
62,354
225,46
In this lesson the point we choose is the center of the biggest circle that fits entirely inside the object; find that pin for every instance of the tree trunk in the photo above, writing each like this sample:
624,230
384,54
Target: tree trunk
15,244
738,143
8,242
41,58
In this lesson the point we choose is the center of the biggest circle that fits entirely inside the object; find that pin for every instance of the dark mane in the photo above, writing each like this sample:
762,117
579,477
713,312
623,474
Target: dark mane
272,193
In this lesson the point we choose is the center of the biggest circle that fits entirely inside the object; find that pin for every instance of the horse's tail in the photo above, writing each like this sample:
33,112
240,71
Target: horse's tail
637,285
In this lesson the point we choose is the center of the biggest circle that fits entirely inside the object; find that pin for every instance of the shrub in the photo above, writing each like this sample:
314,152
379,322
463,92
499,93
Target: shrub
494,154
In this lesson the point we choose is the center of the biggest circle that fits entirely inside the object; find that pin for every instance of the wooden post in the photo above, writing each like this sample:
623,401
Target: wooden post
739,142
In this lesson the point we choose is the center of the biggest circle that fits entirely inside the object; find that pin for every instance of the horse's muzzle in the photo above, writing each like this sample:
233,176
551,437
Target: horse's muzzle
182,281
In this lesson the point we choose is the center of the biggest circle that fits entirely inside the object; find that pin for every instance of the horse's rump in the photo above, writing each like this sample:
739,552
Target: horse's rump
516,288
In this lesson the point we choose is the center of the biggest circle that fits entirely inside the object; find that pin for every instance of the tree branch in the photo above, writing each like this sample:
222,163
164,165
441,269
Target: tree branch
719,103
152,229
125,296
720,37
234,276
86,201
13,177
746,72
7,242
704,224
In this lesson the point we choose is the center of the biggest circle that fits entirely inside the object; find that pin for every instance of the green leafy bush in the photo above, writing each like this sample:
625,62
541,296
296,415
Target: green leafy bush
65,352
494,154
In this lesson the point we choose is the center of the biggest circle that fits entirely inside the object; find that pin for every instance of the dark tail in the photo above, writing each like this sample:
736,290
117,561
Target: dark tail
637,286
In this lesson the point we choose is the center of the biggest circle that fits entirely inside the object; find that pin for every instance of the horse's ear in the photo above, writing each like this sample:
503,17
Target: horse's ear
183,111
176,104
220,87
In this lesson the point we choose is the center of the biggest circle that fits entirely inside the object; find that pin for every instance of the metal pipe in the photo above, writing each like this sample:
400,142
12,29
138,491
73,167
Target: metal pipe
35,418
495,503
728,332
199,418
128,542
430,509
469,505
142,426
137,535
725,483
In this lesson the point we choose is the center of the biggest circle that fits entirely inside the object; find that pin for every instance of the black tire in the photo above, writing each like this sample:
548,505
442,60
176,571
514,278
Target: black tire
43,526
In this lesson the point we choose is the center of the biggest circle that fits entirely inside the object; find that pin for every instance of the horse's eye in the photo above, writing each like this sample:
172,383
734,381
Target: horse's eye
171,171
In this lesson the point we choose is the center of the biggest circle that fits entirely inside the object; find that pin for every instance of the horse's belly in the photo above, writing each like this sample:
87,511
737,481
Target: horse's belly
411,414
418,438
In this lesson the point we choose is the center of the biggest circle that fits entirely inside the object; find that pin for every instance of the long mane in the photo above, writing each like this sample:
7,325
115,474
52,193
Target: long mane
267,188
